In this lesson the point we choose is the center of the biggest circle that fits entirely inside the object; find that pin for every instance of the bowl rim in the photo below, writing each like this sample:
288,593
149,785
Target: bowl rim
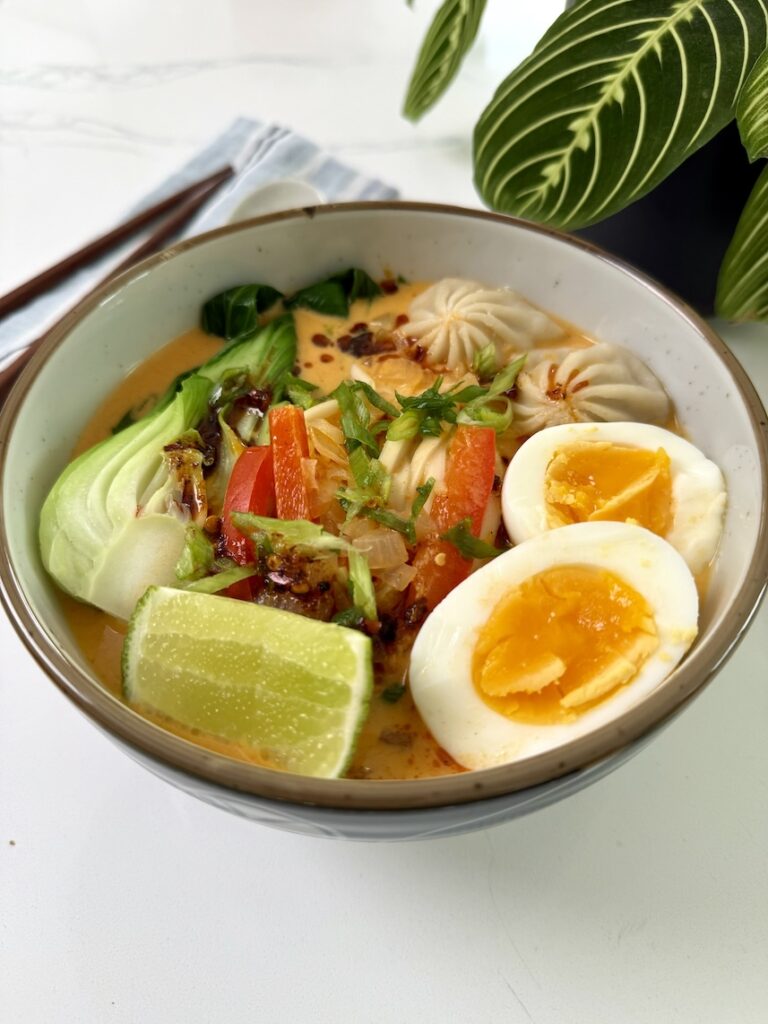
127,726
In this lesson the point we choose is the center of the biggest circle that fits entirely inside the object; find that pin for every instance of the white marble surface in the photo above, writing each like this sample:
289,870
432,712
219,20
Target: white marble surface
642,899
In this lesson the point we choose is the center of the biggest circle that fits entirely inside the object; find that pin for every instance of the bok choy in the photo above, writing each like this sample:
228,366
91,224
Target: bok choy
116,520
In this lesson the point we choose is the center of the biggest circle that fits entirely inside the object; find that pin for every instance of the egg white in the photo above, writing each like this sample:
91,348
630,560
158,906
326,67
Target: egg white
698,486
472,732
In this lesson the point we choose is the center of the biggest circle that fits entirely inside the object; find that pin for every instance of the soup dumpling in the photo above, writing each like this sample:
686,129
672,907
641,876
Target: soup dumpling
455,318
599,383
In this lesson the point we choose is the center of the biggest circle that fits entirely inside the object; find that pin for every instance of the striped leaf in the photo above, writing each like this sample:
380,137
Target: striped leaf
615,96
450,36
742,287
752,109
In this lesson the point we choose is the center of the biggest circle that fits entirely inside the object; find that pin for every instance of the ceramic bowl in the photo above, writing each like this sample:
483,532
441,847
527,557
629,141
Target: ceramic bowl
125,321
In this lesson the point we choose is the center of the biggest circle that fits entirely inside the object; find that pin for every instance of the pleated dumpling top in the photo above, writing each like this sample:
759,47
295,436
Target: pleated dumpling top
599,383
454,318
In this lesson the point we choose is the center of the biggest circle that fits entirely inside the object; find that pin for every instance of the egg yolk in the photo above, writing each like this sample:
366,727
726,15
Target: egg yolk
560,642
596,480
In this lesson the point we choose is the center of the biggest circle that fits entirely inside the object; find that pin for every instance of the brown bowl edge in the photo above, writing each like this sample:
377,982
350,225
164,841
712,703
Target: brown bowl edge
368,795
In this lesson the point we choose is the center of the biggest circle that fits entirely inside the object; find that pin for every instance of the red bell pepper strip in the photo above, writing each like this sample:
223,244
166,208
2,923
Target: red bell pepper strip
251,488
468,485
290,448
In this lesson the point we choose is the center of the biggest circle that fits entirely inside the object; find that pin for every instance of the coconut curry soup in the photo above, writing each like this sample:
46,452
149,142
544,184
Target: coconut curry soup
385,530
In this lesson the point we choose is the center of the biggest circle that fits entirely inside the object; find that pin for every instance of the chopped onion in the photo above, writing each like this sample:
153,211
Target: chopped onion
395,374
327,410
329,480
425,526
358,373
384,548
398,578
327,442
356,528
387,598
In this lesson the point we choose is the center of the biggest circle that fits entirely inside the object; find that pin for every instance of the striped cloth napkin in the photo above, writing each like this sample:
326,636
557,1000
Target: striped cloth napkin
260,153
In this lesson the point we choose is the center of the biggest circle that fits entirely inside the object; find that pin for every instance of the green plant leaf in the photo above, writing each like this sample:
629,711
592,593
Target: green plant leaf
742,287
614,97
752,109
447,41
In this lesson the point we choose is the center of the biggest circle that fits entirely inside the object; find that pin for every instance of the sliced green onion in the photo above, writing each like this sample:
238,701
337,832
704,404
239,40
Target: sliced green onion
505,380
294,532
485,415
485,362
423,491
222,580
406,426
361,584
376,399
352,618
355,419
299,391
467,544
197,558
378,515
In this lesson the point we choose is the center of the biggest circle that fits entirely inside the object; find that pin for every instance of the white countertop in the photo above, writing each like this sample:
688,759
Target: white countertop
642,899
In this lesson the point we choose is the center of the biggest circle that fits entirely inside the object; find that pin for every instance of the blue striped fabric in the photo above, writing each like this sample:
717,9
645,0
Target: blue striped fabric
260,153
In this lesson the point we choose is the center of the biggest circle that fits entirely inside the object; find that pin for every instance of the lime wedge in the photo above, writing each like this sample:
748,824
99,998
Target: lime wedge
293,690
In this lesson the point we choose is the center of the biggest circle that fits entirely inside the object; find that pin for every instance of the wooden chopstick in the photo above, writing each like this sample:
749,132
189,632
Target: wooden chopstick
170,226
39,284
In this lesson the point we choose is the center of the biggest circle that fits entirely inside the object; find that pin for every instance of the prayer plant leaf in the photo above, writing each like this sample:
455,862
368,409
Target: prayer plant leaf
742,287
445,45
614,97
752,109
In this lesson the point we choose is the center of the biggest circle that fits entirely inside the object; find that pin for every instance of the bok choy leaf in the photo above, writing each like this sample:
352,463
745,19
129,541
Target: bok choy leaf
115,522
267,356
229,451
237,311
96,538
334,296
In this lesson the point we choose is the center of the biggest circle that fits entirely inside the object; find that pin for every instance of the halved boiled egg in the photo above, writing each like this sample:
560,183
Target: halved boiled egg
624,472
551,640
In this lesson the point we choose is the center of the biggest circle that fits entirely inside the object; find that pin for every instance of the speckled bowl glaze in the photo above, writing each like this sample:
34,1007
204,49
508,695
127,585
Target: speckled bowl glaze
128,319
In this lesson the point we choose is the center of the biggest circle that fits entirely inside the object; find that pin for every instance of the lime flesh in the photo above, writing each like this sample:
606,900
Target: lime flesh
293,690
